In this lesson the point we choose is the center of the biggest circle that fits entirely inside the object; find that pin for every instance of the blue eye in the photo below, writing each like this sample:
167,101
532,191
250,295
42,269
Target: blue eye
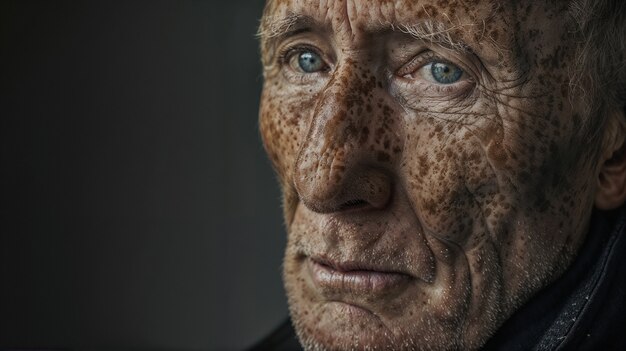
310,62
445,73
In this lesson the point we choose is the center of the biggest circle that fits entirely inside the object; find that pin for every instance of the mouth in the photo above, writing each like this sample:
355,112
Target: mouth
355,278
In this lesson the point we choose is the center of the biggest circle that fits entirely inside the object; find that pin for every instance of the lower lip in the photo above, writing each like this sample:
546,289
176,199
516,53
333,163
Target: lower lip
360,282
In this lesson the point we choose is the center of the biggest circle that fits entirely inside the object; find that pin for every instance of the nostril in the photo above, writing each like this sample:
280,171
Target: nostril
352,204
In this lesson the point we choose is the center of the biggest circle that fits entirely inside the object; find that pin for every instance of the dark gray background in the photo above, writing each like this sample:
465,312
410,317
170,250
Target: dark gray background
138,209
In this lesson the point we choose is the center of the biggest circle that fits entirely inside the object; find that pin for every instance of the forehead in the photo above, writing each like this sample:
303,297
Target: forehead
355,17
361,12
486,26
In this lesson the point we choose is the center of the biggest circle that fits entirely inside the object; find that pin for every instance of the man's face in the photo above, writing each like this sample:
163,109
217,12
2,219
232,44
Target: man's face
431,163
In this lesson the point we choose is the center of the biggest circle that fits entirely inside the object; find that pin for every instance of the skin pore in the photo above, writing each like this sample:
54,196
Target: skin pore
437,141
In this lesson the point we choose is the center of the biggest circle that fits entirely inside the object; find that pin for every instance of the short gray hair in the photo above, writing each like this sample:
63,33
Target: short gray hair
599,72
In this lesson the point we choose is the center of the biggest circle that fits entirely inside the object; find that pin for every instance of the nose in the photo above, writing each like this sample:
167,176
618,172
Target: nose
347,158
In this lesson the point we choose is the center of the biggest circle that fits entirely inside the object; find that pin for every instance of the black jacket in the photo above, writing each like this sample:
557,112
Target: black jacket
585,309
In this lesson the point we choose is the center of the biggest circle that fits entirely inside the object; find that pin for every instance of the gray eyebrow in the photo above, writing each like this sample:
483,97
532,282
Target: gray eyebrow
274,26
434,32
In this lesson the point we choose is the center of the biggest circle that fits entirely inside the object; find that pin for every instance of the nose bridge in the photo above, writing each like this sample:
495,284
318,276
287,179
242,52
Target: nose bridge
335,143
339,114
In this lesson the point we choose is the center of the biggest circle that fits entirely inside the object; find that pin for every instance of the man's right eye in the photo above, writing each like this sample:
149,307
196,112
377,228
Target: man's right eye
307,61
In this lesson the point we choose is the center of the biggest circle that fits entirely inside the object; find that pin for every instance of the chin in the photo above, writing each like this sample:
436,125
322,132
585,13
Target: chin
341,326
401,321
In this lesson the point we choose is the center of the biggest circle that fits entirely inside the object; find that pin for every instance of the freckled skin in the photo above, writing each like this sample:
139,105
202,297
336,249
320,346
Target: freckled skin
480,193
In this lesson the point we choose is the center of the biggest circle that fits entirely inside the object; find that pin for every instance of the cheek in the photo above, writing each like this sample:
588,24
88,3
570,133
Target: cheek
448,178
283,121
499,164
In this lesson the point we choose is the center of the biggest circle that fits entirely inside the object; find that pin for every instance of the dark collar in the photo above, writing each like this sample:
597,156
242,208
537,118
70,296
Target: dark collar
563,315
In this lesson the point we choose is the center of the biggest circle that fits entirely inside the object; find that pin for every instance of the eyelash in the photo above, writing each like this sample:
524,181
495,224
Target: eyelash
418,62
285,54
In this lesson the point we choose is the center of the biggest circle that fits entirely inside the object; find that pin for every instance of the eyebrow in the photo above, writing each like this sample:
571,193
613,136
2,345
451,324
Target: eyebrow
434,32
272,30
273,26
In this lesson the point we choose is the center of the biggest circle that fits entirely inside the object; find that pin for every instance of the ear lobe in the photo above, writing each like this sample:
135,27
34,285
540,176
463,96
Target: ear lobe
611,191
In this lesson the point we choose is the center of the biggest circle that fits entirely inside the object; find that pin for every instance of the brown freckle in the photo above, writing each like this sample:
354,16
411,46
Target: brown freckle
423,162
497,154
342,115
474,156
350,130
382,156
365,132
379,134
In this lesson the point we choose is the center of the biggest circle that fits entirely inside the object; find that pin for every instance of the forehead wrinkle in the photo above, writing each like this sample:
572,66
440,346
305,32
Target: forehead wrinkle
275,27
327,15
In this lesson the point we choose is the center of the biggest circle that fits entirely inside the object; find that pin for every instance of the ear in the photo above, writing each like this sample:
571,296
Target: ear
611,190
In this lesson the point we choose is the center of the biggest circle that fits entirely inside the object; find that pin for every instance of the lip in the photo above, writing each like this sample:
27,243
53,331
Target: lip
354,278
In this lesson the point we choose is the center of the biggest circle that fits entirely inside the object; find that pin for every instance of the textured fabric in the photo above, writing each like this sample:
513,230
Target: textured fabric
585,309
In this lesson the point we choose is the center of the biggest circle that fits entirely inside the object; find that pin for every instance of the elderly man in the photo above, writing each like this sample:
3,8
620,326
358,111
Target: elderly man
453,172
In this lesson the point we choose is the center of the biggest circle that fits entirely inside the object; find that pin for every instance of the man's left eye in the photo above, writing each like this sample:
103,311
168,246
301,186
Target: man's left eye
442,72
